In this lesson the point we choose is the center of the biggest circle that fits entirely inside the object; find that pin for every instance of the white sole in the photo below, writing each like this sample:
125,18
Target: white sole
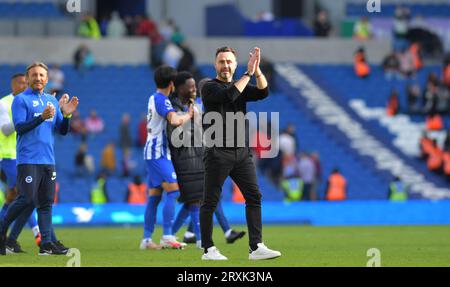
264,257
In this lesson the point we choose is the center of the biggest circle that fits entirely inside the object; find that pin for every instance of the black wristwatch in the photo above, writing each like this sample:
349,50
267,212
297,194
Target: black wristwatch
247,73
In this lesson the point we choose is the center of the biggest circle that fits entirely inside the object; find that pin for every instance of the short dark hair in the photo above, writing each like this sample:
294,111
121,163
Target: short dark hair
164,75
181,78
16,75
225,49
37,64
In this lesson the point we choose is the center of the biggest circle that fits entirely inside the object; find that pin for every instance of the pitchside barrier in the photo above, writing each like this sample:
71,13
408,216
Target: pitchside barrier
374,212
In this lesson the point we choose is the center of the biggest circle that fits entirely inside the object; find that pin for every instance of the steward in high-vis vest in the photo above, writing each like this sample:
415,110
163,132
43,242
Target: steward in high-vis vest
291,182
398,191
360,65
98,192
336,186
7,136
137,191
292,188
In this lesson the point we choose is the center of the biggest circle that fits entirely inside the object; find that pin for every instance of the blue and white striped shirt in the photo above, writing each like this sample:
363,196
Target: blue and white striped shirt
158,108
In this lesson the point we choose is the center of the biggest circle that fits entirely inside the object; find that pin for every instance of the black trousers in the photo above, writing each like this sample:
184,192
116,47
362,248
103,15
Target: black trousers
238,164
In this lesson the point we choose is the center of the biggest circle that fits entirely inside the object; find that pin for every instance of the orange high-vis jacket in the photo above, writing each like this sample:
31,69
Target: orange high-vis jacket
446,162
434,123
434,161
414,50
392,107
426,145
446,75
336,187
138,193
362,69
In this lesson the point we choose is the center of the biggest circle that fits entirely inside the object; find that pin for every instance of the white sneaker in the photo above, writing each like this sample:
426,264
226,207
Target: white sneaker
198,243
213,254
147,243
263,253
171,242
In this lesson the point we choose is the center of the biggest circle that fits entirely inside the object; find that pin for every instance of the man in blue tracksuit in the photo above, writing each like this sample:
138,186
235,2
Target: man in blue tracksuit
36,115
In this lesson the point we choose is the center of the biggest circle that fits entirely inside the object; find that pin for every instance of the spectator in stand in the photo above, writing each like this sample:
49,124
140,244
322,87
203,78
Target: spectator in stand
89,28
435,158
177,37
430,94
136,191
416,55
127,163
108,161
426,145
443,99
336,186
446,164
400,27
130,25
83,58
55,81
434,121
361,66
99,193
142,131
125,140
103,24
167,28
291,182
148,28
94,124
77,126
393,105
446,71
406,62
391,67
187,60
447,141
318,172
322,25
264,16
84,162
263,142
398,190
116,27
413,94
446,157
307,171
362,29
288,143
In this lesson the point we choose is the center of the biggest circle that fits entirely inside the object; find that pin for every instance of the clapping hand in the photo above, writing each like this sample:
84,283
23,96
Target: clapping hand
68,107
48,113
253,61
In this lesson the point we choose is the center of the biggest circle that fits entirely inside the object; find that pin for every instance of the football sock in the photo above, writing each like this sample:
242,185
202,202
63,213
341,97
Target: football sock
168,211
194,211
150,215
180,219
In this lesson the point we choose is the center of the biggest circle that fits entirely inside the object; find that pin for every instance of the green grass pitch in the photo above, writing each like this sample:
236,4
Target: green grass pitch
300,246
